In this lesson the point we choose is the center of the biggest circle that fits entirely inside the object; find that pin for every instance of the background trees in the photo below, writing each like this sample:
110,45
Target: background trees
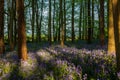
80,19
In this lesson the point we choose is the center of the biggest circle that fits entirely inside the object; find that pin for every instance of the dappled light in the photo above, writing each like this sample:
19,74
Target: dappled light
55,62
59,39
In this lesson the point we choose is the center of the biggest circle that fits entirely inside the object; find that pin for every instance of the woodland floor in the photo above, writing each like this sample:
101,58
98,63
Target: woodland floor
78,61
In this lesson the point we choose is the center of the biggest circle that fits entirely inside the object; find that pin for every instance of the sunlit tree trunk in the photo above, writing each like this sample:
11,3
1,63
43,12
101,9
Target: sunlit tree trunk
49,23
1,26
116,19
102,25
73,32
111,39
22,48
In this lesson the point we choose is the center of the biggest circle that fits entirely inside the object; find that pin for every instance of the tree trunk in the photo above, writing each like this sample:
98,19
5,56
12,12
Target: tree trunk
116,19
111,39
80,21
1,26
89,23
64,20
22,48
61,24
11,27
41,19
54,21
15,25
73,32
49,23
92,27
33,18
102,36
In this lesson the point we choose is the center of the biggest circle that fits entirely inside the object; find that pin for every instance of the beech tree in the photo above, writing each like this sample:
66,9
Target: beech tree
116,19
22,48
111,39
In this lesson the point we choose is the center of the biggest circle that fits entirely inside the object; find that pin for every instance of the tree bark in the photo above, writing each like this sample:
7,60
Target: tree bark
64,20
102,25
73,32
61,24
111,39
22,48
116,19
1,26
33,18
49,23
80,21
89,24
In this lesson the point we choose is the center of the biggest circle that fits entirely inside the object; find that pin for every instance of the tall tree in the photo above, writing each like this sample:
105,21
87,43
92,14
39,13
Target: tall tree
116,19
83,22
111,39
92,27
73,32
89,23
64,20
41,17
54,20
49,23
37,22
80,20
102,25
1,26
22,48
61,24
15,24
11,24
33,19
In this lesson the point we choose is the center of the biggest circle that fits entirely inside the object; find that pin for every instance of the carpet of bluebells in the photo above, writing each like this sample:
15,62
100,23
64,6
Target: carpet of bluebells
73,62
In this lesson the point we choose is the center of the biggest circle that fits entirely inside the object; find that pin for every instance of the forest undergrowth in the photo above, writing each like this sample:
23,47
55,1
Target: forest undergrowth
73,62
